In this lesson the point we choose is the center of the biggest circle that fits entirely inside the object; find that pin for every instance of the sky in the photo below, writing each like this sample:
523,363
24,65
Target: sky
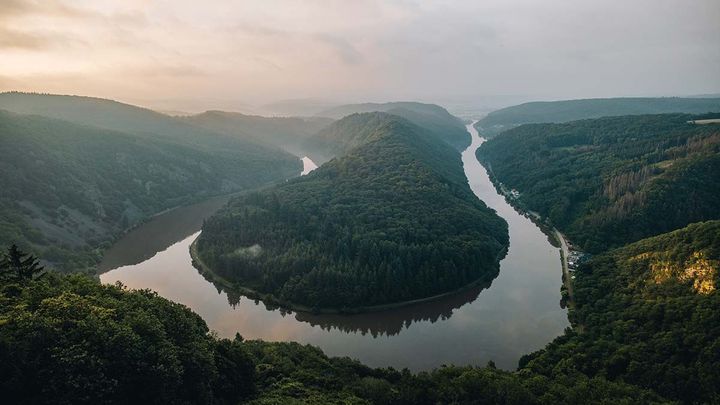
190,54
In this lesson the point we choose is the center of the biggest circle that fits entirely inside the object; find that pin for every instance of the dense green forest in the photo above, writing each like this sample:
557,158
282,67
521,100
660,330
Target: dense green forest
391,220
342,136
70,340
610,181
432,117
647,314
69,190
288,133
571,110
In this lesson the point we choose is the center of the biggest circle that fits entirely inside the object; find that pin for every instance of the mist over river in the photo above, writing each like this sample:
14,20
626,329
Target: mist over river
519,312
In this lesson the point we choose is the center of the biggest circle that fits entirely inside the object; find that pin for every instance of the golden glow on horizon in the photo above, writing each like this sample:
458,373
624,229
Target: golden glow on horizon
258,51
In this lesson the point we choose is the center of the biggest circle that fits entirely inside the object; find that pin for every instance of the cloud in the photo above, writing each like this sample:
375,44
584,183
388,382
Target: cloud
23,8
344,49
11,39
12,8
364,49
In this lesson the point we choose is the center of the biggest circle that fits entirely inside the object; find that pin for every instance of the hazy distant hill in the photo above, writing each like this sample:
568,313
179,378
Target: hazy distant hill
429,116
67,190
297,107
126,118
287,133
613,180
570,110
343,135
391,219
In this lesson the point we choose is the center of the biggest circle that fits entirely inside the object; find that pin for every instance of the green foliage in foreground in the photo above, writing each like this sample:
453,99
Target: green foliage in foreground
391,220
70,340
570,110
67,190
650,316
289,373
610,181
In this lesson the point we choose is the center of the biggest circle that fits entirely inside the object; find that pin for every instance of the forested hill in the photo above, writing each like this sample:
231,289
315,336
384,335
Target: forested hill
610,181
109,114
571,110
391,220
429,116
287,133
343,135
649,317
68,190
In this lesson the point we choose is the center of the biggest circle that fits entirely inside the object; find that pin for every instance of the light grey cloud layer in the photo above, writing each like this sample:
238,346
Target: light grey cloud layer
258,51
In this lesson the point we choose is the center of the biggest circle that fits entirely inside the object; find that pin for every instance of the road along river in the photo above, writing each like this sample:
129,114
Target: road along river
515,315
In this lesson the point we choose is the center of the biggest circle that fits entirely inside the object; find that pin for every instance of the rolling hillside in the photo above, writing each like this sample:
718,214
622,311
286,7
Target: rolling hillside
649,316
109,114
429,116
610,181
571,110
69,190
288,133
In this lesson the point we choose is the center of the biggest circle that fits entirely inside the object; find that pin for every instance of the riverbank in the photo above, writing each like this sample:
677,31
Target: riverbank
558,239
517,314
272,300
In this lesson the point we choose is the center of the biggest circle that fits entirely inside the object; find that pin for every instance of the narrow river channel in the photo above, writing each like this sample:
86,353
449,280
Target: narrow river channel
517,314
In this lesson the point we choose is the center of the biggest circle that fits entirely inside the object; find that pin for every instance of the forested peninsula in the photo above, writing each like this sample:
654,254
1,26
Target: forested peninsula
390,220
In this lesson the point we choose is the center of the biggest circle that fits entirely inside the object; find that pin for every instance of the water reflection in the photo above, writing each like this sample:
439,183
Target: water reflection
382,323
159,233
394,321
518,314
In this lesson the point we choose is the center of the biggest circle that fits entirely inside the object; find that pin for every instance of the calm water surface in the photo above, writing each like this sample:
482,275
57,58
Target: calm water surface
517,314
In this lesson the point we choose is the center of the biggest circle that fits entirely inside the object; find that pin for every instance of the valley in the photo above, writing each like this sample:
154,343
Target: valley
517,312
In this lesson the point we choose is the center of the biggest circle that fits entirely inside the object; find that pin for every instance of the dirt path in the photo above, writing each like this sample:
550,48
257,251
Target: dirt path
566,271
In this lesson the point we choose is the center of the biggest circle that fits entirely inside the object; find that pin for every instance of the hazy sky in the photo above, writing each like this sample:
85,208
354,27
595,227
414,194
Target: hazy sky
171,51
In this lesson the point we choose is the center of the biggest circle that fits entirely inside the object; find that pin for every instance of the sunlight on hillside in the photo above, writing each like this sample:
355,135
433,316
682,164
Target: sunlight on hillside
698,269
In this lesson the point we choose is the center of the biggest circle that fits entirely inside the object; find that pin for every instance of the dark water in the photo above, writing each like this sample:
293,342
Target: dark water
518,313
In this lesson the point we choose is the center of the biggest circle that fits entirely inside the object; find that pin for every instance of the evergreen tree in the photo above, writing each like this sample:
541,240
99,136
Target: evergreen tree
17,265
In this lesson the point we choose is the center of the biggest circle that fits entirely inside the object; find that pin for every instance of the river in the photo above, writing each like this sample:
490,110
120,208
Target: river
515,315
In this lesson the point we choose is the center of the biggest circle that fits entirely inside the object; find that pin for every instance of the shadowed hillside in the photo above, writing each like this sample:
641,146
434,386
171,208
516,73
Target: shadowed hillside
69,190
